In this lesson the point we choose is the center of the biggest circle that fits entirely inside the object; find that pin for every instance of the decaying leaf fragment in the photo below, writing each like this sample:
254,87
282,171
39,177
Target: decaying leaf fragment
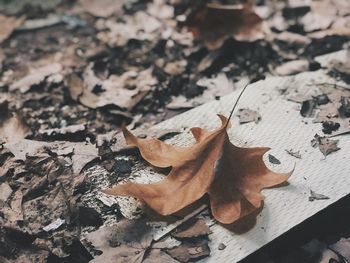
315,196
248,115
232,176
325,144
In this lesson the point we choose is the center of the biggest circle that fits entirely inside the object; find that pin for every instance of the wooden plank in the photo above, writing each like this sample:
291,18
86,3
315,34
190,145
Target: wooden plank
281,128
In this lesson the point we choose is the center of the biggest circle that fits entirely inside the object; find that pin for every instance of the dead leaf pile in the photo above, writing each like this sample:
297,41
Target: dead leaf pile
206,167
331,109
132,241
144,61
73,72
123,91
40,191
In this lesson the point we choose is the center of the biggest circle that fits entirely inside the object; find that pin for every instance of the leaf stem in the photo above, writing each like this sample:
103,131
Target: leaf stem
234,106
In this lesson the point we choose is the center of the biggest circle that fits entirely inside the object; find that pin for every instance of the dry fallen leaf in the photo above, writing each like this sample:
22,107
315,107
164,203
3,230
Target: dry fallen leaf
124,91
232,176
192,229
327,18
333,31
56,203
13,129
321,15
8,25
141,25
81,153
190,251
248,115
37,76
325,144
126,241
215,22
292,67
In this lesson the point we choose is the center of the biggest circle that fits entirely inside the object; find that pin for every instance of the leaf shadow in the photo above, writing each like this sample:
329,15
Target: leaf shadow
247,222
179,215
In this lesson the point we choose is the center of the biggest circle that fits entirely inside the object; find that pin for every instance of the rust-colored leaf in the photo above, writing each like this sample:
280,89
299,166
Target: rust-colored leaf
232,176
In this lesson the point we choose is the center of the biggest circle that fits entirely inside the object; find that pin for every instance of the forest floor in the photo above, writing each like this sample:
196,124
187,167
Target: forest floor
72,73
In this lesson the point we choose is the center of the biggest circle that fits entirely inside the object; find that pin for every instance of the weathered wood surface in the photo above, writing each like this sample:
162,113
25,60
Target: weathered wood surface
281,128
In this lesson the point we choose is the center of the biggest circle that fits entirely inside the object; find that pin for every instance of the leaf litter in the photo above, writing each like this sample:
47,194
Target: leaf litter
72,74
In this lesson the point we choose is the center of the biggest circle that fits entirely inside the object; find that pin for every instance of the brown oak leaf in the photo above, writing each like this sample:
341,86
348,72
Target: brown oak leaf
232,176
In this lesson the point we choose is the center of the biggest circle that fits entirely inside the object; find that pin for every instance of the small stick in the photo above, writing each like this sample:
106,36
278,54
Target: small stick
234,106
